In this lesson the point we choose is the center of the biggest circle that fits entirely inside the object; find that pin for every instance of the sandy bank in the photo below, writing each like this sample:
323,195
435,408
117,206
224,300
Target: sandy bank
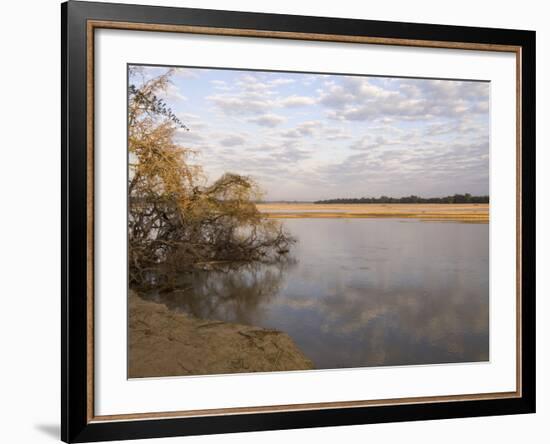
164,343
433,212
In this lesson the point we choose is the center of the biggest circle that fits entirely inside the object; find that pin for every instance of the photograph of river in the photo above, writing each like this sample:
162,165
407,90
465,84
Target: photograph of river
288,221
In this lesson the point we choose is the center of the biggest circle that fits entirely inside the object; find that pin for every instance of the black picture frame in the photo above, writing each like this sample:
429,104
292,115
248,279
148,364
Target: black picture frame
76,423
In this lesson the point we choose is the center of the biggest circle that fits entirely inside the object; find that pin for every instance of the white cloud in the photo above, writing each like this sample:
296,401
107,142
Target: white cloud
186,73
336,133
268,120
281,81
358,99
241,104
297,101
303,129
220,85
232,140
173,94
185,137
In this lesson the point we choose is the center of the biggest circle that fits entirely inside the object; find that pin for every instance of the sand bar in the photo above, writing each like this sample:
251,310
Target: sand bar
443,212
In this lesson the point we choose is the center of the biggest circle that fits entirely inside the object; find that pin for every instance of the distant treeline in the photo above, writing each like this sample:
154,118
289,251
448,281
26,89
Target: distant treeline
457,198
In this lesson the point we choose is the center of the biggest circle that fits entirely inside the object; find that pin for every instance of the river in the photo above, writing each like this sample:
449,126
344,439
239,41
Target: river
362,292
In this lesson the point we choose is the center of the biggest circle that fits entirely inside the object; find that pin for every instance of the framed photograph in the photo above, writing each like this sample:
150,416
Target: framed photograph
275,221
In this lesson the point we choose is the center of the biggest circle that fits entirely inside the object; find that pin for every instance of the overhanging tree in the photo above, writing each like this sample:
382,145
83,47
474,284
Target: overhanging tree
177,221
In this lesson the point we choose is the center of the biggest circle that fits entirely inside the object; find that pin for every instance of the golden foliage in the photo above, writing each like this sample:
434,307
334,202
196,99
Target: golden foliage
175,221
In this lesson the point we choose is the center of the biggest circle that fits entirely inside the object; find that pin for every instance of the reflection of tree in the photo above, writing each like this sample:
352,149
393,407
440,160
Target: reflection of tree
234,294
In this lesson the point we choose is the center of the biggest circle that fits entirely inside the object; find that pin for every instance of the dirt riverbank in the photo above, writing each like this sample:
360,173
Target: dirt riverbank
164,343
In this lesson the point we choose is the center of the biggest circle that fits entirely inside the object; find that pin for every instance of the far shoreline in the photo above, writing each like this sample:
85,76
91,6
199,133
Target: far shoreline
463,212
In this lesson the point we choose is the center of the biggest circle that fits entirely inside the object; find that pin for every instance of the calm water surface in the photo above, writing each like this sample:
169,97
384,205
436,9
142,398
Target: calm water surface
362,292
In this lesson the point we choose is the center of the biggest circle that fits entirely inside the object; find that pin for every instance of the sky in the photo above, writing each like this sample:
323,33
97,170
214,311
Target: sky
309,137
